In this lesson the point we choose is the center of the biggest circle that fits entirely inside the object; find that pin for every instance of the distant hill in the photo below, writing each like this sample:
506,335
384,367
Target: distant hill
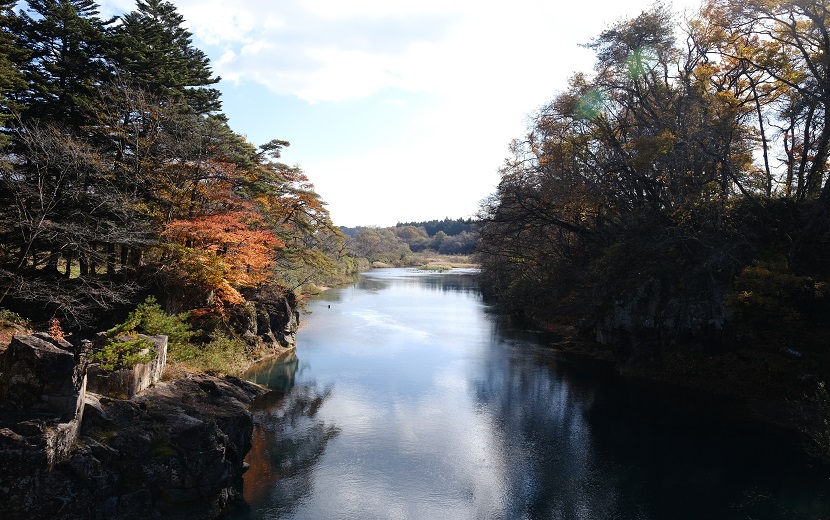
449,226
349,231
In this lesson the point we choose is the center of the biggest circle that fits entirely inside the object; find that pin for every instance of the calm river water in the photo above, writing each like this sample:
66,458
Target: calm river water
409,398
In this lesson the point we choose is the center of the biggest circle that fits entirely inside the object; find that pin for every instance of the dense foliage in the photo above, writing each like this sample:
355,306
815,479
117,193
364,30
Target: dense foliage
393,245
448,226
679,195
119,175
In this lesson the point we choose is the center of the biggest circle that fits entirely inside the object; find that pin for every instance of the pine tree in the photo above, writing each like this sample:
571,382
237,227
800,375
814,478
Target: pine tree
11,55
66,66
155,53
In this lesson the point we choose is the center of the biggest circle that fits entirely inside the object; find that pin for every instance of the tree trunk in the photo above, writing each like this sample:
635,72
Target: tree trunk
110,258
52,262
69,257
93,267
125,251
83,264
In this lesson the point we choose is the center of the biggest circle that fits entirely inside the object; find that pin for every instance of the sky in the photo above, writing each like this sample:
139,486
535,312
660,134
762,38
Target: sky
400,110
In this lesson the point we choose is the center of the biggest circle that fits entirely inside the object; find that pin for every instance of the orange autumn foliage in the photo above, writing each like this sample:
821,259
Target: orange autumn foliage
224,251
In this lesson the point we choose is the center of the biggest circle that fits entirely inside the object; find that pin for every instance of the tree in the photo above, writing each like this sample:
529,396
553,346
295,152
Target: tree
635,166
156,54
120,174
51,217
65,65
378,245
415,237
11,56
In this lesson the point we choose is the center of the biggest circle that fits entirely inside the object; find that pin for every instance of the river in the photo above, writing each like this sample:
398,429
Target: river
410,398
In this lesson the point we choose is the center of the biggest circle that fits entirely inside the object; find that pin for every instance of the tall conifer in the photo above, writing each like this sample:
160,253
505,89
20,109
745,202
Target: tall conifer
156,53
67,66
11,55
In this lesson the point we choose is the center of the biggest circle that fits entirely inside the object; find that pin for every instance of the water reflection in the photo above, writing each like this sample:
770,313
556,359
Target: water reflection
276,374
288,441
586,444
462,281
413,401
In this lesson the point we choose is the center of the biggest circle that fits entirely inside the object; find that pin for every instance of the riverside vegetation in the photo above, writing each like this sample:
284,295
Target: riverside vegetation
675,203
120,180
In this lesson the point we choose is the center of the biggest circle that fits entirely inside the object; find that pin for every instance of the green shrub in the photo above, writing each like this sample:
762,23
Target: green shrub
124,352
149,318
13,318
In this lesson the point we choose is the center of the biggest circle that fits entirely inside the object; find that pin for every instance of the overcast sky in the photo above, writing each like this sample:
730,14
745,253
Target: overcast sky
396,110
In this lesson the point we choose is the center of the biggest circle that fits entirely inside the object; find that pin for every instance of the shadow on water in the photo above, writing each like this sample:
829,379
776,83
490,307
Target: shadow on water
586,443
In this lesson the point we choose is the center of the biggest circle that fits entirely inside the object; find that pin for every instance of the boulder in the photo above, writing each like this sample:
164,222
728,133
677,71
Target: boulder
42,387
42,374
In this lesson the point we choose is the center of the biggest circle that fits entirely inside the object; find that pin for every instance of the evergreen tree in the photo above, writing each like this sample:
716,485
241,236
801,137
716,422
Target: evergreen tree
155,53
11,55
66,66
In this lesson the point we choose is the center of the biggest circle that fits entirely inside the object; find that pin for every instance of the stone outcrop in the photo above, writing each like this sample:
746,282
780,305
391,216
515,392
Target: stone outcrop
268,323
175,450
128,382
42,387
650,319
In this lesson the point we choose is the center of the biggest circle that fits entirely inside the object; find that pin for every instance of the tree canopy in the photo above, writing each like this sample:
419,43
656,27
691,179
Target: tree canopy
690,167
119,174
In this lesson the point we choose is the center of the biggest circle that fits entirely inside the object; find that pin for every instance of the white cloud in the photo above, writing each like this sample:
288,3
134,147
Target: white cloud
483,67
330,50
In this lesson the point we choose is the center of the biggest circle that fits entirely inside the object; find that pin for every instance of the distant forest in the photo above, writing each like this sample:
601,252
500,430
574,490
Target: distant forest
392,245
448,225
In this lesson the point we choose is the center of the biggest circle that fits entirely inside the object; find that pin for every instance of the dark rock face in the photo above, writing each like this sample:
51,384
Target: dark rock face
268,322
651,319
42,386
175,451
41,374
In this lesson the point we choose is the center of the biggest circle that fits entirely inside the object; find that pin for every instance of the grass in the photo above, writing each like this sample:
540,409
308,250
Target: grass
435,267
222,355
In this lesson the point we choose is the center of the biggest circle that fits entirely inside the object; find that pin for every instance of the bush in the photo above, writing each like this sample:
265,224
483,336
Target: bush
149,318
223,354
768,297
13,318
125,352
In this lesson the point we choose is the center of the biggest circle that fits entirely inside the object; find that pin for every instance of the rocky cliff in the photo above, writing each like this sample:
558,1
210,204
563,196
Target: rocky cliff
268,322
651,318
174,451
